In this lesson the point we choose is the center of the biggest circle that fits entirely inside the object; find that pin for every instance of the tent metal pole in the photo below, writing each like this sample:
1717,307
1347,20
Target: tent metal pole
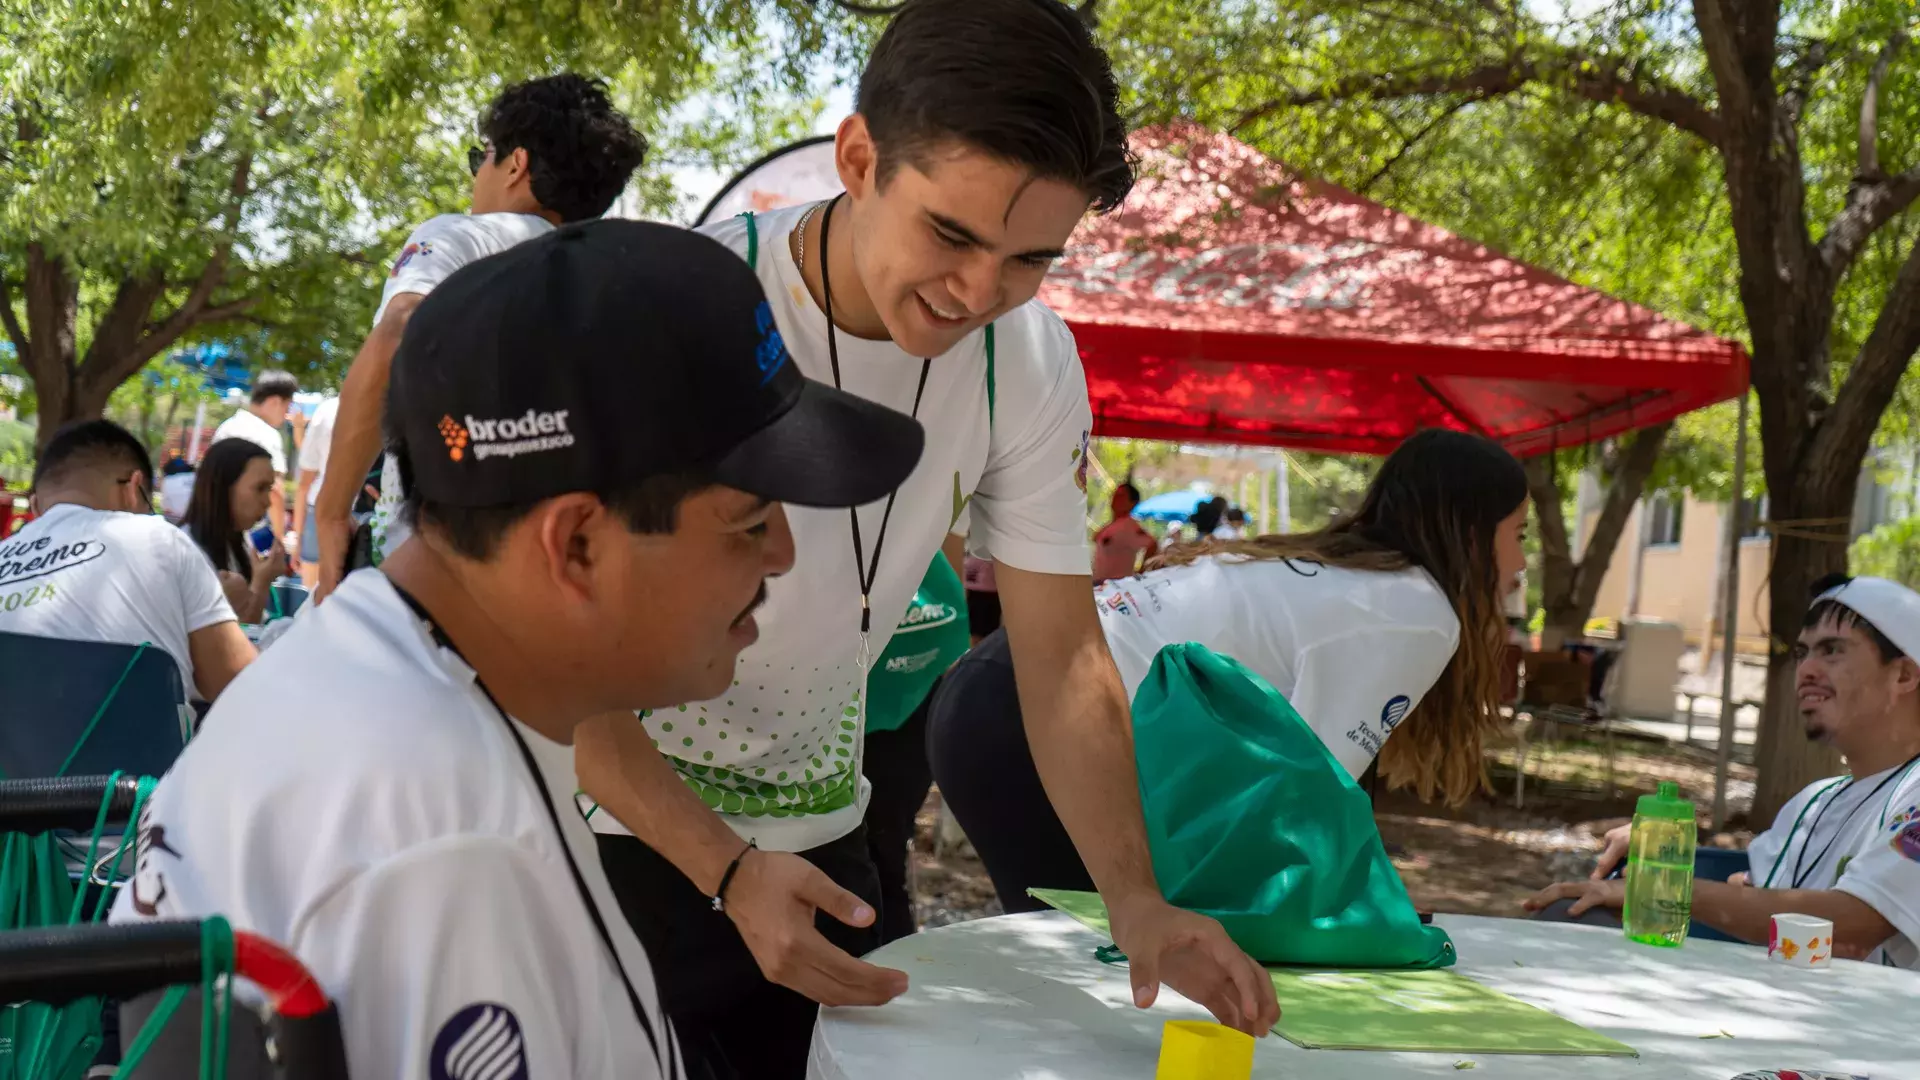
1285,495
199,422
1730,619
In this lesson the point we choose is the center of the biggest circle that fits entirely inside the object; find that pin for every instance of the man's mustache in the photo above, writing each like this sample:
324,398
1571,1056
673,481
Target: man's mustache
759,598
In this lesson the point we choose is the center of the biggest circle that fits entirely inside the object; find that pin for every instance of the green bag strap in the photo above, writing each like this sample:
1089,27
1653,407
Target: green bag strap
753,263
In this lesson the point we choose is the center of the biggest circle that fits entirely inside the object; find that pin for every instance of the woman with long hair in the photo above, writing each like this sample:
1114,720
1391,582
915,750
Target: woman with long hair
232,490
1387,622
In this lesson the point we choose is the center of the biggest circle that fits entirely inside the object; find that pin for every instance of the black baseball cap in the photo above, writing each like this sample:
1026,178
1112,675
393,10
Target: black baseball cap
611,351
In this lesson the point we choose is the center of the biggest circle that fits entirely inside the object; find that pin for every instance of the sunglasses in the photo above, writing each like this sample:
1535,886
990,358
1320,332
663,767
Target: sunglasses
476,157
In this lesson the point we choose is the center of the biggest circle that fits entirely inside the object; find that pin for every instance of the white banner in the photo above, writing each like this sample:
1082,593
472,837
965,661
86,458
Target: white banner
799,173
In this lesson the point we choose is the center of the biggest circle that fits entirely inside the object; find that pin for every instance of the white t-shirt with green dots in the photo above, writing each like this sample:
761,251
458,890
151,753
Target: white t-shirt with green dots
777,752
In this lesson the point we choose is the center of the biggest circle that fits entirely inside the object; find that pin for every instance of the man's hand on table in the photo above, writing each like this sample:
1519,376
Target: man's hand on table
1586,895
1192,954
1615,850
772,900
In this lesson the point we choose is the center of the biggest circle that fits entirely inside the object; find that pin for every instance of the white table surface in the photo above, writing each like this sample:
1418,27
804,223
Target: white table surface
1022,996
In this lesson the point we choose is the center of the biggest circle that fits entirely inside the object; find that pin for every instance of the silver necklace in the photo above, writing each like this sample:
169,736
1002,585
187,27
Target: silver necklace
801,242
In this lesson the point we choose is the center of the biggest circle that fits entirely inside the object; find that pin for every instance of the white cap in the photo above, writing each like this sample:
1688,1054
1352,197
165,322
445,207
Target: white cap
1891,607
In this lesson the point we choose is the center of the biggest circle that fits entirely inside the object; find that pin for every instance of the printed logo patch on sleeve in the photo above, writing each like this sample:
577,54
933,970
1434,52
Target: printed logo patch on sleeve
1907,841
1394,712
407,255
480,1042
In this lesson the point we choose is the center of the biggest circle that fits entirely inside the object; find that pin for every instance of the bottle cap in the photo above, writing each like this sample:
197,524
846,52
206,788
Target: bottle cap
1666,804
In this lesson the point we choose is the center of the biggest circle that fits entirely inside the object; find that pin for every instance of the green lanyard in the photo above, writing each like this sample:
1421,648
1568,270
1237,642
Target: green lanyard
1895,781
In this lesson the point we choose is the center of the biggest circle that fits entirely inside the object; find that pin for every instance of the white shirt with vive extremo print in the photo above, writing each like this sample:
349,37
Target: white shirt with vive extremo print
430,256
777,753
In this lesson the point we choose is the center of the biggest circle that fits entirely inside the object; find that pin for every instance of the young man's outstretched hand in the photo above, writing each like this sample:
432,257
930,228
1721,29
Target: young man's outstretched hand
1194,955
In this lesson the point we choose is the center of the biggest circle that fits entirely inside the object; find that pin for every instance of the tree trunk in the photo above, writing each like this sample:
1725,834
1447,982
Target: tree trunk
1569,587
1786,760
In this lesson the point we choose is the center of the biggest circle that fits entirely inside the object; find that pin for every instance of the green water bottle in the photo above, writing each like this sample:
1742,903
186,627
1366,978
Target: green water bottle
1660,869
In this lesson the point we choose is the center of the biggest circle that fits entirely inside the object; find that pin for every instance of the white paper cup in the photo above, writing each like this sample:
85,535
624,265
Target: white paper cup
1801,941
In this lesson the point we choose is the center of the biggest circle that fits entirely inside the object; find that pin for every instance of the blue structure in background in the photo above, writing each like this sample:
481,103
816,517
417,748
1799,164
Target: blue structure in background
1171,505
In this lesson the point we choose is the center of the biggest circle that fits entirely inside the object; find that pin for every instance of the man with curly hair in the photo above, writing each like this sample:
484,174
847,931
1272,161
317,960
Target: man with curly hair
552,151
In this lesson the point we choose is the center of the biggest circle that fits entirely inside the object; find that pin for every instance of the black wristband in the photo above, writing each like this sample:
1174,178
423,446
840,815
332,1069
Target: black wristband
726,879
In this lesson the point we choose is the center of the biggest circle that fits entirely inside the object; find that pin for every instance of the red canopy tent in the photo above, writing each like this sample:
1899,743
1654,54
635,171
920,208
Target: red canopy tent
1231,300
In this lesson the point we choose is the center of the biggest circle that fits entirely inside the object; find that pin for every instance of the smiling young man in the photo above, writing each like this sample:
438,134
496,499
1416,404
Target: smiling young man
555,151
1847,848
986,130
596,472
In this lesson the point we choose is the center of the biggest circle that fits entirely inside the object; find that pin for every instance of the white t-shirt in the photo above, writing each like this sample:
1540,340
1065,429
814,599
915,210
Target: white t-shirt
319,439
430,256
1861,838
1352,650
102,575
245,425
392,836
176,493
778,752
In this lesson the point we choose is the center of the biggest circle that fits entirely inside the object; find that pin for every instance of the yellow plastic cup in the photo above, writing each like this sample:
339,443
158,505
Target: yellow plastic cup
1200,1050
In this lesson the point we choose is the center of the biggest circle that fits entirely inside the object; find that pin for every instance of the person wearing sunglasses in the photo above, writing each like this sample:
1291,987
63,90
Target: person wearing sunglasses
97,564
552,151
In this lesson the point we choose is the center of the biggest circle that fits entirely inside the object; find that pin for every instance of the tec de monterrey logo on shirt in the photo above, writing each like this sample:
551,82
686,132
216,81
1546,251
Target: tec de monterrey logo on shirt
480,1042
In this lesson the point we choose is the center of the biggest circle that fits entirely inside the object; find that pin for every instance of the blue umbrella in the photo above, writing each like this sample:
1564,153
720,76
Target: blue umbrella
1171,505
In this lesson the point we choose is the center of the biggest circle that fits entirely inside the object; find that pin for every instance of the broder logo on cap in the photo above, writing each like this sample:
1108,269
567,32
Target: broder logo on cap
506,437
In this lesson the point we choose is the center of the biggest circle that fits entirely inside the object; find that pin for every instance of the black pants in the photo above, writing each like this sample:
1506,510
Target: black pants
977,745
730,1020
896,767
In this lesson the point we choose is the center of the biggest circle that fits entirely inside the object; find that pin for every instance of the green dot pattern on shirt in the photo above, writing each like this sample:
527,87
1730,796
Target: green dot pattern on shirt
686,742
683,708
667,726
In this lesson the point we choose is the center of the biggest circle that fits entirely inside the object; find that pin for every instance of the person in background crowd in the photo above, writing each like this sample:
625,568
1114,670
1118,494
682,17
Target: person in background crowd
983,597
1408,590
1235,526
313,470
235,485
985,131
259,422
1208,518
1846,848
552,151
176,488
412,833
98,565
1123,542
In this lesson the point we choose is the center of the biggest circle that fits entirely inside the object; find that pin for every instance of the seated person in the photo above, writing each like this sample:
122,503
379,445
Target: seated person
1846,848
234,489
98,564
410,832
1388,623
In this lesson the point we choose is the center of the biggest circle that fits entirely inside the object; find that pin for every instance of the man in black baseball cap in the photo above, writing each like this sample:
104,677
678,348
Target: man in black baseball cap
596,430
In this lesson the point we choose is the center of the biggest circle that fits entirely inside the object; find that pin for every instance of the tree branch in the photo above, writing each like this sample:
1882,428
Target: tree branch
1848,427
1589,78
1869,207
1870,110
1413,140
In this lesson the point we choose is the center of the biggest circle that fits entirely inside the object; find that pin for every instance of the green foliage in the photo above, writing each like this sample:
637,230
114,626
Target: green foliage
165,393
1891,551
142,139
1587,188
16,453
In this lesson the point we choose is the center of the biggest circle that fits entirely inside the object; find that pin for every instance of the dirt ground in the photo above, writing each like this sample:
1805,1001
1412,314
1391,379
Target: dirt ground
1479,859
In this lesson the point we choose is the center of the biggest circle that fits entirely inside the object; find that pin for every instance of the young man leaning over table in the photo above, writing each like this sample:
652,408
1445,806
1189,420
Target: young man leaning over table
1848,847
916,290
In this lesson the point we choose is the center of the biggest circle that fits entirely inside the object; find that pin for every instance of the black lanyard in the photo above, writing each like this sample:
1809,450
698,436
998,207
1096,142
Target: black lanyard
866,572
546,799
1800,878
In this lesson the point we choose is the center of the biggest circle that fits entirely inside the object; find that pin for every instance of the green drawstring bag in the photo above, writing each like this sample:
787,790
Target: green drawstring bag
1252,822
930,637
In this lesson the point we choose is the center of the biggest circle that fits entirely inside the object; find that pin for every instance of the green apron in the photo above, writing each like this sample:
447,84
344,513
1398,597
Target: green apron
1251,821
